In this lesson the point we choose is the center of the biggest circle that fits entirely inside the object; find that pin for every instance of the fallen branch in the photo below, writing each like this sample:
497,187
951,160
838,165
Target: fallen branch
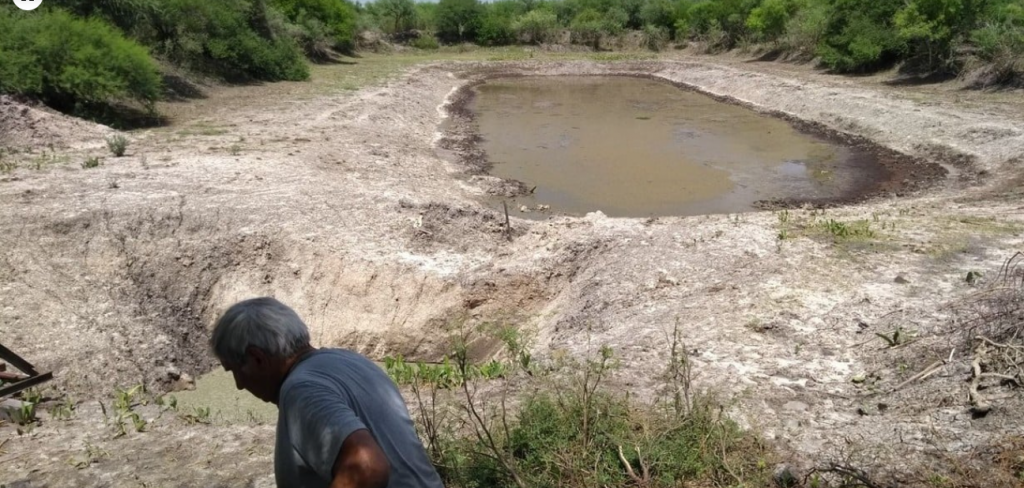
924,373
978,403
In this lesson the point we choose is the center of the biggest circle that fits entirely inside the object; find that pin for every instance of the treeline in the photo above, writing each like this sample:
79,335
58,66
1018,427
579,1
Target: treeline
76,54
848,36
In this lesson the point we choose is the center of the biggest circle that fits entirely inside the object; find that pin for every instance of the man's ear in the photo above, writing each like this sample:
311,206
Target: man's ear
257,355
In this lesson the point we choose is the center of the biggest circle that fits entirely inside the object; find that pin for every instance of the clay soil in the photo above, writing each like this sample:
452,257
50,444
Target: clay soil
353,207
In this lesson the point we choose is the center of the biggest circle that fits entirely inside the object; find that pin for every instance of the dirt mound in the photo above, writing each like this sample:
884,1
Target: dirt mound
25,126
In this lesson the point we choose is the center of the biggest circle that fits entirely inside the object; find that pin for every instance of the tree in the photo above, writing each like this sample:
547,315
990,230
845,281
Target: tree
400,14
458,20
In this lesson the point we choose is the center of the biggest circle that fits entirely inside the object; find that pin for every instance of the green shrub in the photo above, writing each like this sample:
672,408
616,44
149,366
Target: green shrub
217,37
68,62
495,30
720,23
338,16
90,163
425,41
458,20
536,26
587,28
806,28
860,35
118,145
932,30
769,19
655,37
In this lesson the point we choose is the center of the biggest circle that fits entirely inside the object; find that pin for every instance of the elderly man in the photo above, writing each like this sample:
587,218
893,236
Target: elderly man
341,421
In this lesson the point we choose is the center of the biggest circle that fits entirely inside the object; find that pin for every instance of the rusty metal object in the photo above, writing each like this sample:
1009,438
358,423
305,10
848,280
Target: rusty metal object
14,383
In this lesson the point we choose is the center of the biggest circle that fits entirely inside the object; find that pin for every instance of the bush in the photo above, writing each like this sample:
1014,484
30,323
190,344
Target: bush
69,62
425,41
536,26
932,29
587,28
720,23
655,37
338,15
118,145
769,20
495,30
458,20
860,35
217,37
806,28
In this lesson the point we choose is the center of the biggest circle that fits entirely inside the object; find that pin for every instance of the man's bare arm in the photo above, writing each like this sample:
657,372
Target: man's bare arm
361,463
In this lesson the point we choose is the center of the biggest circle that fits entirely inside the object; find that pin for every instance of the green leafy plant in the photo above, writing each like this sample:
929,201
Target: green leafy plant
92,162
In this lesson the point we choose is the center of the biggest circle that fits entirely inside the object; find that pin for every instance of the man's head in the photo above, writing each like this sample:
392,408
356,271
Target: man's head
258,340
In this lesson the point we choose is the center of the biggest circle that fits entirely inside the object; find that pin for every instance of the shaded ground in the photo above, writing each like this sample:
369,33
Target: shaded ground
340,204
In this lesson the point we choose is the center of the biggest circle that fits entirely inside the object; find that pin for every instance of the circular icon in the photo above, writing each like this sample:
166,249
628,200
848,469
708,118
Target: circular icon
28,4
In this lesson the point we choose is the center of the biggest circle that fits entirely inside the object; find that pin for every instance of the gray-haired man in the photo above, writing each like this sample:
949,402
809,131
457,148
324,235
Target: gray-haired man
341,421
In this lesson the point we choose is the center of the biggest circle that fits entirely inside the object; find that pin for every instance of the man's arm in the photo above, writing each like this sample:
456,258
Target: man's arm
361,463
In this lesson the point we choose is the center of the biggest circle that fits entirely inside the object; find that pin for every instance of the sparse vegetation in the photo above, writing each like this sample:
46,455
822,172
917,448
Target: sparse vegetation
572,428
91,162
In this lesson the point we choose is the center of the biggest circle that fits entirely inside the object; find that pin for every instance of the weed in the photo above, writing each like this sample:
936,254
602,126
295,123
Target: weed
65,410
235,149
92,162
124,405
198,415
117,144
572,426
843,230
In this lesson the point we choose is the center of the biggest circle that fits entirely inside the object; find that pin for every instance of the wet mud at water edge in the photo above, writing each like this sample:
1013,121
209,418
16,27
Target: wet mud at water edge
639,147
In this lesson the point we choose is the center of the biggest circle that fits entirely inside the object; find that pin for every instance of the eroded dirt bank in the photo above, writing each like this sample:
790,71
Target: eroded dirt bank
342,206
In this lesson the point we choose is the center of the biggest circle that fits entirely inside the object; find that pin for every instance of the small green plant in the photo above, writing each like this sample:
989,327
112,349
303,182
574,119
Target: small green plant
842,230
235,149
65,410
93,162
198,415
125,401
117,144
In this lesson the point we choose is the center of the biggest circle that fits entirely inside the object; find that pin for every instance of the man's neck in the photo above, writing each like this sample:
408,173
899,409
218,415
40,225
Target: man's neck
289,365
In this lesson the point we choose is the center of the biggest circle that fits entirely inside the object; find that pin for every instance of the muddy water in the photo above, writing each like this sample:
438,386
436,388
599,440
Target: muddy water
216,390
638,147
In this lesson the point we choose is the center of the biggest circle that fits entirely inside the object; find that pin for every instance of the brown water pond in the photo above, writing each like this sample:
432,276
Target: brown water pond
636,147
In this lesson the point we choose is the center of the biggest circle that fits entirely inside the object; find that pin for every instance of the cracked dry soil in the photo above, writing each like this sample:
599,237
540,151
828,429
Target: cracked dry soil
345,206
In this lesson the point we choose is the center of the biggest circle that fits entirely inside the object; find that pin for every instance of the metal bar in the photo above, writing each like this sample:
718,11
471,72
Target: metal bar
25,384
16,361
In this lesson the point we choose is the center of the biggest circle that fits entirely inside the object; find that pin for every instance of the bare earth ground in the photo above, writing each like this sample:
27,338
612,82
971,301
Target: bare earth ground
339,203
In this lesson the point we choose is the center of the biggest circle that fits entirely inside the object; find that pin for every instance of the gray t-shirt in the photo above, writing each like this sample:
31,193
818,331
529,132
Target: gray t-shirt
330,394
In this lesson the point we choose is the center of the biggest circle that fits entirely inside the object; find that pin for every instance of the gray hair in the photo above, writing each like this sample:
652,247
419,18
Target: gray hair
264,323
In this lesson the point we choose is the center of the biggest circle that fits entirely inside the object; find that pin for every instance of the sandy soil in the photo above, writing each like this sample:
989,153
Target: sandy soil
343,206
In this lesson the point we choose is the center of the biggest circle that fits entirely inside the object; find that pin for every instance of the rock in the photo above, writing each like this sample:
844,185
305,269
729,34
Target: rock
524,209
795,406
859,379
184,382
783,476
901,279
